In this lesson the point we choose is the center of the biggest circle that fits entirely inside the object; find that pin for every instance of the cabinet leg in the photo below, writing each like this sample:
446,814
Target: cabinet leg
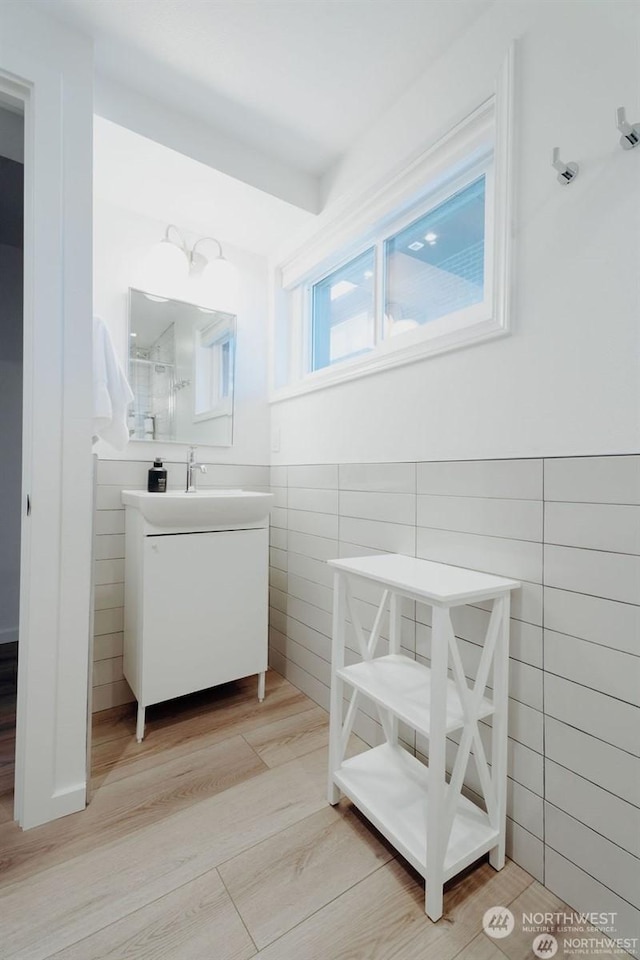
433,903
140,723
499,730
261,684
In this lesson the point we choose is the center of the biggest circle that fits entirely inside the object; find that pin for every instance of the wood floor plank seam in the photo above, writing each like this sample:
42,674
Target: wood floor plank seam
235,907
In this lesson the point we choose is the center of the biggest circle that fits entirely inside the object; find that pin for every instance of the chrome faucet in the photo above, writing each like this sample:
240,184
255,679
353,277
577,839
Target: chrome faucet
191,466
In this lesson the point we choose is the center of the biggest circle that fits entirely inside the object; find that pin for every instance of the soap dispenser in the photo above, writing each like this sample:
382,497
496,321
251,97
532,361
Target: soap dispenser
157,477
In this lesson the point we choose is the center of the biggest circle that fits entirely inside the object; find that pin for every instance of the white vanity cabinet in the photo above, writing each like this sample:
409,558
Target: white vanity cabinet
196,608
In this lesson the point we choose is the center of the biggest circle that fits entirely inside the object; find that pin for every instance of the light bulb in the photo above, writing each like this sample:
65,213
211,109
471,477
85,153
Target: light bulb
165,269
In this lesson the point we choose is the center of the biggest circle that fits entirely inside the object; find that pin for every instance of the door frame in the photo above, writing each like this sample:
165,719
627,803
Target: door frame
49,69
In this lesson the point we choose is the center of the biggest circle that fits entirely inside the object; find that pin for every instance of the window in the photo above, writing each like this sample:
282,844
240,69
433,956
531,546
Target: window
435,266
416,266
213,368
342,314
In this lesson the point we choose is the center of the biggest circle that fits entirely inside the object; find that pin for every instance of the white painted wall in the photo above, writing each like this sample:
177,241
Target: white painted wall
186,133
565,382
10,438
121,241
53,66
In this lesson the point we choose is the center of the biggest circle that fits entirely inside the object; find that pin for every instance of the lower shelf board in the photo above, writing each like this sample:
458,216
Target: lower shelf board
391,788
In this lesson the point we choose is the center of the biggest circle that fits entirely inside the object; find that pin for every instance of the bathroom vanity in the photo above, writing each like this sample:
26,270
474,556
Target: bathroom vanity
196,591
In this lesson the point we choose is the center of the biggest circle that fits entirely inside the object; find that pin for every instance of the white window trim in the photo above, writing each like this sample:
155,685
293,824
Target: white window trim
488,129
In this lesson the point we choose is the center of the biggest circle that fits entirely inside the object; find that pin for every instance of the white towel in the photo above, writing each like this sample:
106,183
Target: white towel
111,391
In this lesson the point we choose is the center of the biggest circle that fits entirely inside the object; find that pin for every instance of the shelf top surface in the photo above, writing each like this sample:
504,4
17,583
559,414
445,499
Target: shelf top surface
437,583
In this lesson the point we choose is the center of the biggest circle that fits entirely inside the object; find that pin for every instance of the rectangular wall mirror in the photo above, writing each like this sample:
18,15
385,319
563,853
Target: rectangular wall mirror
181,371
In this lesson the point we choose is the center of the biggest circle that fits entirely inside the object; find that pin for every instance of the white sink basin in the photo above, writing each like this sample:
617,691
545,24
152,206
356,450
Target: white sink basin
204,508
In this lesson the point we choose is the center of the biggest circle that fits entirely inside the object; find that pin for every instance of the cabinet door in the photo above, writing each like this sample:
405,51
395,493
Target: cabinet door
205,610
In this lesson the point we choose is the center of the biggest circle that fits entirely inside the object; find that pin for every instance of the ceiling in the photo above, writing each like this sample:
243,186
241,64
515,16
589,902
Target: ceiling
297,80
137,174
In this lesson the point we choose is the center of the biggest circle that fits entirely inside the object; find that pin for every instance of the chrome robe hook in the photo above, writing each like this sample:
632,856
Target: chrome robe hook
566,171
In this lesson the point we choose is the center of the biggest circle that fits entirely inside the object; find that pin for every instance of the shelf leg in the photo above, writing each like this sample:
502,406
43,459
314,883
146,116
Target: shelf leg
499,730
337,662
261,685
395,629
437,758
140,723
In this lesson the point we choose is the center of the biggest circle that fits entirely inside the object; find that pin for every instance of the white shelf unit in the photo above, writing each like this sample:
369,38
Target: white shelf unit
426,818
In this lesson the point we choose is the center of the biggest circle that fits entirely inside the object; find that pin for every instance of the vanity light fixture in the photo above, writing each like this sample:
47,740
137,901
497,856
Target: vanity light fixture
171,264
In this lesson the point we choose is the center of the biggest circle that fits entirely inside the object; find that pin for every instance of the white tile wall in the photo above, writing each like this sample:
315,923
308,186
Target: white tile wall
109,686
570,530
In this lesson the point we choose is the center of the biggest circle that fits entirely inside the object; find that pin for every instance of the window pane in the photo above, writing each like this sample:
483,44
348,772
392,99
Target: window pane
435,266
343,312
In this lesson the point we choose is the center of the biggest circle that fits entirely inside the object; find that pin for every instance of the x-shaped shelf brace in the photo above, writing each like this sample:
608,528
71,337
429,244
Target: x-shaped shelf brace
470,698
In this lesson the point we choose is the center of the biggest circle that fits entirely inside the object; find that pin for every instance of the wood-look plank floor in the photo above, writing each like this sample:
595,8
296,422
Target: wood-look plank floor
213,840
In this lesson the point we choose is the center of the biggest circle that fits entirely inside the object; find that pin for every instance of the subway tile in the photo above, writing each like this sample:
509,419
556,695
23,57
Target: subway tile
393,537
519,559
278,620
607,622
278,599
108,522
601,763
278,476
586,894
278,579
526,603
596,855
317,501
108,621
524,765
127,473
381,477
597,808
309,614
601,716
109,497
315,475
319,548
471,623
279,518
231,475
609,671
313,593
108,595
317,571
503,479
350,550
514,519
306,636
316,524
278,558
278,538
107,671
109,571
279,497
525,808
593,479
613,576
596,526
525,849
111,695
109,547
391,507
305,682
308,660
108,645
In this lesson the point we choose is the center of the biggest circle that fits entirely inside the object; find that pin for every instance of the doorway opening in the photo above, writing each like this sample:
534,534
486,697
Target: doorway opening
11,392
